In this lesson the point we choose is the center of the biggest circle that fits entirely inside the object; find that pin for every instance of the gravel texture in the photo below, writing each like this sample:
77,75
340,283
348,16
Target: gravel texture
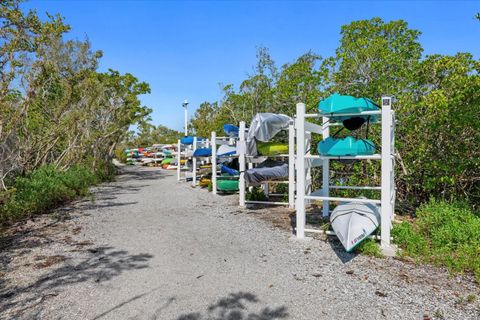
148,247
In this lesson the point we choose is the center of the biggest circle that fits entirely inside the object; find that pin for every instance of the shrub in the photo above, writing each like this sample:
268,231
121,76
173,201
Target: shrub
256,194
369,247
44,189
445,234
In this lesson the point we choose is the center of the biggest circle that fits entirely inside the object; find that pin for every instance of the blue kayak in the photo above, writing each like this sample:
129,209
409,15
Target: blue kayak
230,130
348,146
189,140
202,152
229,171
338,104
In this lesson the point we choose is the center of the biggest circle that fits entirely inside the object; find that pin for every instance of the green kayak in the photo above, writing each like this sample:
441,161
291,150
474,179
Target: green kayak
227,185
166,161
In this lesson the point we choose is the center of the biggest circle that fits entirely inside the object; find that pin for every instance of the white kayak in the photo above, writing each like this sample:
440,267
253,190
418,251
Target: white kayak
354,222
226,150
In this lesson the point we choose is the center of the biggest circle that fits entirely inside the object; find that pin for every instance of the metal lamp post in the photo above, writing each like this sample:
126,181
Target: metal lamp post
184,105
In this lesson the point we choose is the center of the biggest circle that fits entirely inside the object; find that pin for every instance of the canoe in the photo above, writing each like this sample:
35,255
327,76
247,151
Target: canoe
229,171
347,146
271,148
354,222
226,151
337,104
227,185
203,152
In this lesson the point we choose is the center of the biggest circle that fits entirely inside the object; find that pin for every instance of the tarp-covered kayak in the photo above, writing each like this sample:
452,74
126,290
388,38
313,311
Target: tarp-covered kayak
226,150
255,177
337,104
202,152
354,222
272,148
347,146
264,127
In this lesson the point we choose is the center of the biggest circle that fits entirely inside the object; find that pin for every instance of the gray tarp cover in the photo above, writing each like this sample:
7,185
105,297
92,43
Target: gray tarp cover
254,177
264,127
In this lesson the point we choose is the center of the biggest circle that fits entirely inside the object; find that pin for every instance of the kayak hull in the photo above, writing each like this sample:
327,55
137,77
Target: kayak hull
354,222
347,146
337,104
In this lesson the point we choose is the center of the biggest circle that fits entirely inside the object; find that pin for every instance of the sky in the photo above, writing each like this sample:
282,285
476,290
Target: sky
187,49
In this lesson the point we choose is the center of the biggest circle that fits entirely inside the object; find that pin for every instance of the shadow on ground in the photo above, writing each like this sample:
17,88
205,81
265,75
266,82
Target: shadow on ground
141,173
101,264
237,306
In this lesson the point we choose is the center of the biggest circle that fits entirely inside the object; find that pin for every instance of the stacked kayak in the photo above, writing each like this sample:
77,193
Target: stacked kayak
227,185
347,146
166,161
230,130
204,182
189,140
337,104
271,148
202,152
226,151
229,171
340,104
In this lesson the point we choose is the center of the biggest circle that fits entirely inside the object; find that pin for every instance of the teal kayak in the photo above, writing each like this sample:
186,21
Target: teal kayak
338,104
348,146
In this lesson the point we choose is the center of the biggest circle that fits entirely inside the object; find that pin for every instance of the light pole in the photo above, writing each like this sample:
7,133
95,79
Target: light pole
184,105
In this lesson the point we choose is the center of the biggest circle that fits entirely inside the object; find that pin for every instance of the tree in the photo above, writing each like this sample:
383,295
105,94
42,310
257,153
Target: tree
375,58
20,37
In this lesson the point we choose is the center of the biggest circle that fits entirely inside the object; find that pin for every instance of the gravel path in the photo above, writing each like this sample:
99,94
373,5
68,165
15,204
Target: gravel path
148,247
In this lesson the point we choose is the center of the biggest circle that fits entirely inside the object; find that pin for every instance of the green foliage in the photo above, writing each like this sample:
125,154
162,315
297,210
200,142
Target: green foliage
44,189
444,234
256,194
369,247
148,135
60,119
437,106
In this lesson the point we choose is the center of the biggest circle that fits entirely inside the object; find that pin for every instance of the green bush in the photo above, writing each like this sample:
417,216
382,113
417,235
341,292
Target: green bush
369,247
444,234
256,194
44,189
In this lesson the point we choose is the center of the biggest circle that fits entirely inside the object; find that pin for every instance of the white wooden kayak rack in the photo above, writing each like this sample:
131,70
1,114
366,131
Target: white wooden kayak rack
218,141
305,161
184,154
252,160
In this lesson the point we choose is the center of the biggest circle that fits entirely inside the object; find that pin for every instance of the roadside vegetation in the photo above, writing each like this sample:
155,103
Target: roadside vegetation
60,118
